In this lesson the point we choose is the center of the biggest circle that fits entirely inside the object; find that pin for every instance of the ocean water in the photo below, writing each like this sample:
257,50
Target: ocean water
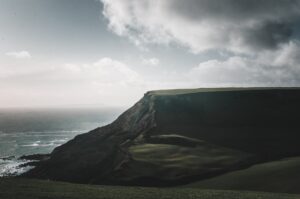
33,131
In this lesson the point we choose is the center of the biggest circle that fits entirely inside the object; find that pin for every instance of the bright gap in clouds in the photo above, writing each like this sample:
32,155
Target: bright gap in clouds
19,54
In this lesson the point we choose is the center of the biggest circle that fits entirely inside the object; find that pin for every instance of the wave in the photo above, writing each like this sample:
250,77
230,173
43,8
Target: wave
7,158
60,140
39,143
26,143
45,131
13,167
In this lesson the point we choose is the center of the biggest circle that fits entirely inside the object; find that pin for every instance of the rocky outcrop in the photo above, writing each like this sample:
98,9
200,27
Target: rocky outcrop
177,136
35,157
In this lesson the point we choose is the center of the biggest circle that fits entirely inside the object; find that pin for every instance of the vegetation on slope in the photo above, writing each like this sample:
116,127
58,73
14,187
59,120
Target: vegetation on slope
37,189
174,162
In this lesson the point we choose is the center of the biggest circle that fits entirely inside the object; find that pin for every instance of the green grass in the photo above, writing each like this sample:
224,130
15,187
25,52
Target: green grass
37,189
204,156
171,162
277,176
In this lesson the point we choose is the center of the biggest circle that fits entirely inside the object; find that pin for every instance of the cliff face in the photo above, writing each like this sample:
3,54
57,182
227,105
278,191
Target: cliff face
92,156
177,136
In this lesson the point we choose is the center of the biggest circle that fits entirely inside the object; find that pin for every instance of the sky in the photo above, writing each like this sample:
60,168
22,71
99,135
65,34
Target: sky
56,53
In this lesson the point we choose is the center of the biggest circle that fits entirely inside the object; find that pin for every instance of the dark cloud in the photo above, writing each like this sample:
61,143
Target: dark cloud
262,24
267,35
237,10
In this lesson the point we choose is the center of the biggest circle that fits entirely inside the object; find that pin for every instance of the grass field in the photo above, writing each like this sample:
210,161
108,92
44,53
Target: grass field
202,156
277,176
173,162
37,189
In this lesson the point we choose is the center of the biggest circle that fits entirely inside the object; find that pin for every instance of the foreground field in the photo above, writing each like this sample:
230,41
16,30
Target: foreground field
277,176
37,189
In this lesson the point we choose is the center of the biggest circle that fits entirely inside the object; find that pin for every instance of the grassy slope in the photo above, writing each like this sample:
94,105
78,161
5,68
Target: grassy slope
168,160
277,176
187,157
36,189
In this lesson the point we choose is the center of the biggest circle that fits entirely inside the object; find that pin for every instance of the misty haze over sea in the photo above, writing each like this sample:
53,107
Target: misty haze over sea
31,131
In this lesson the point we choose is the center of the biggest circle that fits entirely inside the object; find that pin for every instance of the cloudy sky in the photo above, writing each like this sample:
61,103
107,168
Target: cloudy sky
110,52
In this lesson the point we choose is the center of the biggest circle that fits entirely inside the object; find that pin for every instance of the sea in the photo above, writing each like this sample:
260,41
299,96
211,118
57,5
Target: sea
27,131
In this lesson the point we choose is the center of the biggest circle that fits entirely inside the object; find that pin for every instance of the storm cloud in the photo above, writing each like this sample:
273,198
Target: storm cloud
233,25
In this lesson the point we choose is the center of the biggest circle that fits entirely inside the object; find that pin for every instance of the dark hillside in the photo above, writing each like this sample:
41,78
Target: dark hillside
265,122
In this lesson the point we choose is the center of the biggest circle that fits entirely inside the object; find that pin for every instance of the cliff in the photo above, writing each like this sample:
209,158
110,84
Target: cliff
178,136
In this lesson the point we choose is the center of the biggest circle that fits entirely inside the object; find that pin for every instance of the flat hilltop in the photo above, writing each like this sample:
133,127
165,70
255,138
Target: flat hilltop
223,89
